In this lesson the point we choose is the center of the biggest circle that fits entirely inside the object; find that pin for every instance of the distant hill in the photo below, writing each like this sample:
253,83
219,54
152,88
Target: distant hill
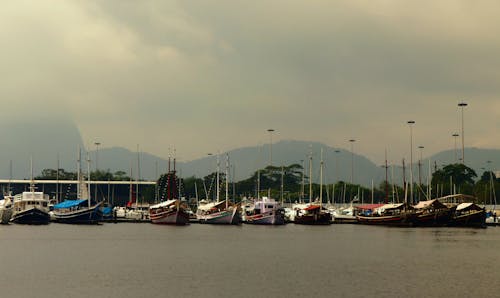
45,141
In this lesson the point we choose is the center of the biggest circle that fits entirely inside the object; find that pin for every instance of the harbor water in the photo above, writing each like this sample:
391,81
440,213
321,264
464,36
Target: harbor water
145,260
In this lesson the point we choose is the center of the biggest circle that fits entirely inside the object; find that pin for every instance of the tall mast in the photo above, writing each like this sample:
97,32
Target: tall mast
386,180
302,190
282,178
10,176
137,180
57,180
310,176
218,170
321,180
404,183
258,184
32,182
79,174
88,172
227,180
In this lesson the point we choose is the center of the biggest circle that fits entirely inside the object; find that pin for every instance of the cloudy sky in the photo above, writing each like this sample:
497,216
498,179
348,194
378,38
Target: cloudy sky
215,75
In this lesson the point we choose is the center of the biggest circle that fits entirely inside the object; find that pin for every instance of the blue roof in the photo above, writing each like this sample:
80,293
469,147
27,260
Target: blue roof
68,204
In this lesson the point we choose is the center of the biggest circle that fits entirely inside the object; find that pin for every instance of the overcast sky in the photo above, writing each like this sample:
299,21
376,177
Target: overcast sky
215,75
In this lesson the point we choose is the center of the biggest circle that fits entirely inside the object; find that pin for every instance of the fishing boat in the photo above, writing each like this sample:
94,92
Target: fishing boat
81,210
5,209
432,213
468,215
265,212
314,213
219,212
31,207
172,211
399,214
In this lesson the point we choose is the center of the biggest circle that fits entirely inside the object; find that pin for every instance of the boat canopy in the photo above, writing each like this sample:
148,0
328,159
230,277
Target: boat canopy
211,205
369,206
430,203
68,204
163,204
312,207
468,206
391,206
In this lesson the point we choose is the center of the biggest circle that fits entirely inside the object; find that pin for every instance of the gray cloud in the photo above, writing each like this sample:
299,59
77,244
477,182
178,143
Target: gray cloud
209,75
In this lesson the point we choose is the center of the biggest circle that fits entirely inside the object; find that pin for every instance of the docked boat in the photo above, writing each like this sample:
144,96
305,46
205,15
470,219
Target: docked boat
468,215
6,209
313,214
31,207
171,212
432,213
77,212
389,214
344,215
219,213
265,212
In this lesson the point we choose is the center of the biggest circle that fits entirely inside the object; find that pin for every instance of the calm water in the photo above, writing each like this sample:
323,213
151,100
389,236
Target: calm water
140,260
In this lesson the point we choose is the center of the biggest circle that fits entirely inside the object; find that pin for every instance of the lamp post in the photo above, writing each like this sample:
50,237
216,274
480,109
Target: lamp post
463,105
352,159
410,124
455,135
270,146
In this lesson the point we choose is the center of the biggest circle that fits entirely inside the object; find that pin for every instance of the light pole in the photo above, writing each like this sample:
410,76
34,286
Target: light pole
455,135
462,105
410,124
352,159
270,130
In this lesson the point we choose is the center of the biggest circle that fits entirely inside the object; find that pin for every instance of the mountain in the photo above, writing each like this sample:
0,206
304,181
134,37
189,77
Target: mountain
47,140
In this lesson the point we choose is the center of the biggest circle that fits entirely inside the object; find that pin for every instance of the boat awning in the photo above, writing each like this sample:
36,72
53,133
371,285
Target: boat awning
312,207
163,204
68,204
466,206
369,206
426,204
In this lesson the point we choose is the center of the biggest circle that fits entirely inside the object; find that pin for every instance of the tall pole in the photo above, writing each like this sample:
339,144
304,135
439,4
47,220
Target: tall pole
455,135
96,165
321,181
302,190
410,124
421,148
270,146
352,159
337,164
310,175
462,105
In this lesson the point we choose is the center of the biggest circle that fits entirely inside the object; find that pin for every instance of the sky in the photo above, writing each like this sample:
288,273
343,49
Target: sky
207,76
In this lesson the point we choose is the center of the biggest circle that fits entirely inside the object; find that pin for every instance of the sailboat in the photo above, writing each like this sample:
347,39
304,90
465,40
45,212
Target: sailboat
81,210
314,213
31,207
172,211
219,212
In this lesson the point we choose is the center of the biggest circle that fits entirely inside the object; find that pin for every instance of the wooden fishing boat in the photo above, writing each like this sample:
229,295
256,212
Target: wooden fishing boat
390,215
468,215
432,213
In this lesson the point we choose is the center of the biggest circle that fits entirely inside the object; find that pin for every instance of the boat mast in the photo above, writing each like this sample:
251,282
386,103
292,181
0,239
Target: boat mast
386,180
227,180
79,174
321,181
88,171
282,178
137,180
258,184
218,170
302,190
57,180
310,176
32,182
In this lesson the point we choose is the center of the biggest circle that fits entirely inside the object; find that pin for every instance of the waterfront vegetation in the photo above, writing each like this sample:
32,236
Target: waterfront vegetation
452,178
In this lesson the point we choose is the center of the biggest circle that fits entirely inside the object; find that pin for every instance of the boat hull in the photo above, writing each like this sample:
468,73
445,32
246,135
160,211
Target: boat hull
32,216
224,217
390,220
475,219
170,218
434,219
271,218
314,219
86,216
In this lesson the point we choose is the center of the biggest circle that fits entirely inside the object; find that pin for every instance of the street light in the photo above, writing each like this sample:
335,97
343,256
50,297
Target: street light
410,124
455,135
270,146
352,160
462,105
